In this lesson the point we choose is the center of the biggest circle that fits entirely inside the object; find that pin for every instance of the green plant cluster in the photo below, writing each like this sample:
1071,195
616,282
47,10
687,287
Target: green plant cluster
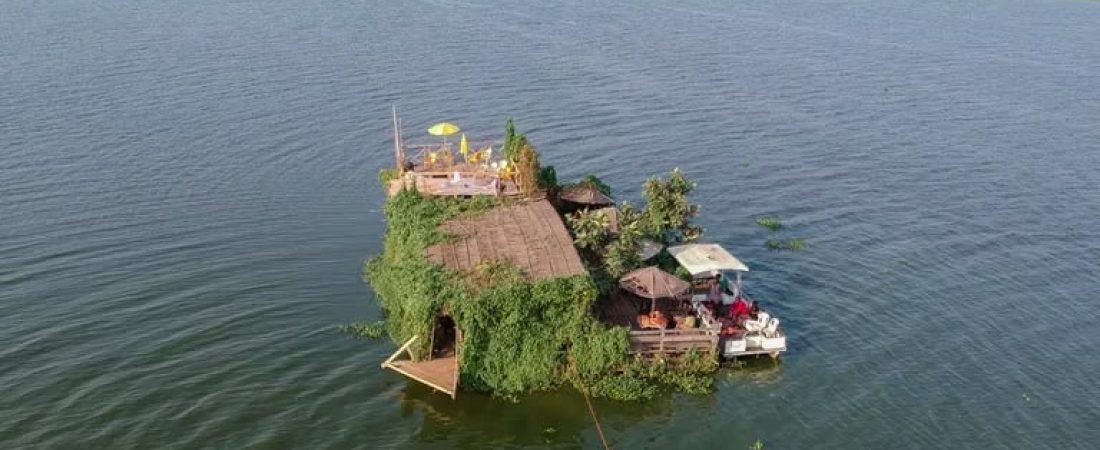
596,183
668,218
373,330
387,175
772,224
407,285
793,245
518,335
668,212
640,380
513,141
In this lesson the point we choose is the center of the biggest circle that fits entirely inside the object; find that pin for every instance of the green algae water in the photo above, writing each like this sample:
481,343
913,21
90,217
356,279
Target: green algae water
188,191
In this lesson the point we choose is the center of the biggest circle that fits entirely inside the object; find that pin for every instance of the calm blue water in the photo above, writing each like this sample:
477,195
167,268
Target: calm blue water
188,190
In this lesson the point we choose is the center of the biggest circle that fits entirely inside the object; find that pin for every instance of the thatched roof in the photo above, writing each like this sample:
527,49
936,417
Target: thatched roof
585,195
652,282
706,259
529,236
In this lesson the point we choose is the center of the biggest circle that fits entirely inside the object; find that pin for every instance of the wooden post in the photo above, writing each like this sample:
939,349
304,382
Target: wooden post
458,344
662,344
398,352
397,153
431,341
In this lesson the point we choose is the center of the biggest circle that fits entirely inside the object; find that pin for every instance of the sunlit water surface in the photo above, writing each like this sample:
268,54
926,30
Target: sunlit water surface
189,190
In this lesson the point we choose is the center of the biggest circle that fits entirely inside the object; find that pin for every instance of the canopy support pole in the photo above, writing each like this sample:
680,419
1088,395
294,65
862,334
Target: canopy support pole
397,156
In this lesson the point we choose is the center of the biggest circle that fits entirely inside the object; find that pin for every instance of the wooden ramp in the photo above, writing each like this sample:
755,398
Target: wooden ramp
440,374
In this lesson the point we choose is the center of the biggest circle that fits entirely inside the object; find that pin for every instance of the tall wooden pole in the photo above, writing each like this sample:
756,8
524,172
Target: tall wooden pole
397,144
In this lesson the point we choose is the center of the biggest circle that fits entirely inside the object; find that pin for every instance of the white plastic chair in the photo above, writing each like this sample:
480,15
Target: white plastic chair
771,328
753,326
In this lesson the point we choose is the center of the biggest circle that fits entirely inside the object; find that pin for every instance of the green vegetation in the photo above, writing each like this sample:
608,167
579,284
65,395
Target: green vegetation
595,182
407,285
668,212
796,244
622,253
518,335
590,231
667,218
513,141
770,222
366,330
387,175
779,244
548,178
758,445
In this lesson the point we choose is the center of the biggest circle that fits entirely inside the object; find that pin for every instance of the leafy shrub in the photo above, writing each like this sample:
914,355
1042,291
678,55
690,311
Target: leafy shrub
385,176
548,178
668,212
596,183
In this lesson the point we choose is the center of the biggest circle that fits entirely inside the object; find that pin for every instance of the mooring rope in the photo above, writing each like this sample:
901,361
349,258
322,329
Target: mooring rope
595,419
591,410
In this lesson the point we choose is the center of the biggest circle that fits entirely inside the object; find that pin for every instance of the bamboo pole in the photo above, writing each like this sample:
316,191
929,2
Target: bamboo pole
397,143
458,344
431,342
398,352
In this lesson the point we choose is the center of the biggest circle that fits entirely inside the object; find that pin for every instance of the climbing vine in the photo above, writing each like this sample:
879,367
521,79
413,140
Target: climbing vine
518,335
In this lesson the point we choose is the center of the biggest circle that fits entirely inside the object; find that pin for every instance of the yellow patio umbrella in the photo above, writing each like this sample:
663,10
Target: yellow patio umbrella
463,147
443,129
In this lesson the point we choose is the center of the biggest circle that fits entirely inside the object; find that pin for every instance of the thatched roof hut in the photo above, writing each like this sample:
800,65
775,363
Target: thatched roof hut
583,194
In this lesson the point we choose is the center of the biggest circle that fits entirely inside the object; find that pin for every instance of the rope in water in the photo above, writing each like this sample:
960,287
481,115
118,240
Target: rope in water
591,410
595,419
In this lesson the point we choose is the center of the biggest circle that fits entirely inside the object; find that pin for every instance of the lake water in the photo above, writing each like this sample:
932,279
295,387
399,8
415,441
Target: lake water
189,190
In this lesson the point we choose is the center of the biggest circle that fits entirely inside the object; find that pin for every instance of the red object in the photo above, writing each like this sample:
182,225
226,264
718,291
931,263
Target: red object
740,308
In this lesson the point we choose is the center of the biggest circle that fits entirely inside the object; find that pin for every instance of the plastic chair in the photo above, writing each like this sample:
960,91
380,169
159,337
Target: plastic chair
771,328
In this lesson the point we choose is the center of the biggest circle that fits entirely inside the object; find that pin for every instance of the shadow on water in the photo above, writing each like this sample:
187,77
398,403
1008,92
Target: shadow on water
559,417
554,418
759,370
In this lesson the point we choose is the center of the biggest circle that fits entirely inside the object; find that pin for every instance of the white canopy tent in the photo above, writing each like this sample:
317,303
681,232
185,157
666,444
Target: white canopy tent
706,259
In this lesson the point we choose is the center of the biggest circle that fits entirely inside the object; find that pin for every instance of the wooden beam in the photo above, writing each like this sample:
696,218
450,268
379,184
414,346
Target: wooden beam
398,352
396,143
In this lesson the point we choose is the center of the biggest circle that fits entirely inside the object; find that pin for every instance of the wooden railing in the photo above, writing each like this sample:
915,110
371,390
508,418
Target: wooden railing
650,343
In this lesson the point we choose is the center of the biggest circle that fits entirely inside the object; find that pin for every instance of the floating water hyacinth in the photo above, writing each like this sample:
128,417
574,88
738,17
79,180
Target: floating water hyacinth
770,222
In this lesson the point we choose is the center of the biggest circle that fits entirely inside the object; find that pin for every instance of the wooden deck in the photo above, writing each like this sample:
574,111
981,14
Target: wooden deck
443,186
529,236
440,374
622,309
473,180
